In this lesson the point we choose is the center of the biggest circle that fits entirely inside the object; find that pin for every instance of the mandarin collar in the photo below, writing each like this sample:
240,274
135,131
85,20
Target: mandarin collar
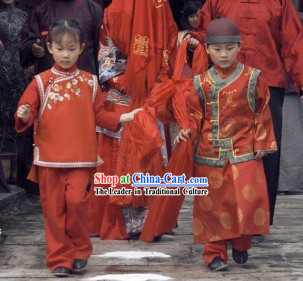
62,71
224,73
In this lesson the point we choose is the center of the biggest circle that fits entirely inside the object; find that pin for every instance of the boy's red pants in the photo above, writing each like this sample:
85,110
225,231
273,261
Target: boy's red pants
64,199
219,248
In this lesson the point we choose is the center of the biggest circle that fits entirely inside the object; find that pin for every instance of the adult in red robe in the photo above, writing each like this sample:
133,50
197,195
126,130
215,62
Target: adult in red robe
148,41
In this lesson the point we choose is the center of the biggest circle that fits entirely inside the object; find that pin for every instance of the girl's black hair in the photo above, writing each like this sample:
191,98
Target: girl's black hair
62,27
190,9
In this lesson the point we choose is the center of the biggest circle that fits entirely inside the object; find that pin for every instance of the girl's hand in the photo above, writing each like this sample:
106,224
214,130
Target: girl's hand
183,135
259,155
130,116
1,46
23,113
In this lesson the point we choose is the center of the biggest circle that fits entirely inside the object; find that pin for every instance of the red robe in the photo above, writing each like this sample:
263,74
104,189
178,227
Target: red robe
148,42
271,32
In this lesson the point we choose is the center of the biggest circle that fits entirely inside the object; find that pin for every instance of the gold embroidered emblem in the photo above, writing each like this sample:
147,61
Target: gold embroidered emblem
205,203
273,145
208,80
215,179
260,217
226,220
249,193
159,3
235,171
240,215
166,58
215,238
260,133
197,227
229,98
141,45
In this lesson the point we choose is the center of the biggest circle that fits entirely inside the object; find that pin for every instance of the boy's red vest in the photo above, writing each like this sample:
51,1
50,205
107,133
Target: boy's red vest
237,122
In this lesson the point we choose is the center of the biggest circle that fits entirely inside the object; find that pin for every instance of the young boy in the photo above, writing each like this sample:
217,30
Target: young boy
234,128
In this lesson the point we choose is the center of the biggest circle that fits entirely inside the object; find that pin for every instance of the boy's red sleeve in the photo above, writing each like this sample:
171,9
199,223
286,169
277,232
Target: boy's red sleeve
32,98
264,139
105,119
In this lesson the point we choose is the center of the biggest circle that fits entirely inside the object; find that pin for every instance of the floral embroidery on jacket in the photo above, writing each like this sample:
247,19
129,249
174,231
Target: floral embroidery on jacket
60,93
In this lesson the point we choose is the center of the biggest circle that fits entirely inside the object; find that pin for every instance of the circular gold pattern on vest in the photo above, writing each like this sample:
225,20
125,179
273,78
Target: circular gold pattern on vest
260,132
215,179
235,171
226,220
198,227
239,215
205,203
249,193
260,217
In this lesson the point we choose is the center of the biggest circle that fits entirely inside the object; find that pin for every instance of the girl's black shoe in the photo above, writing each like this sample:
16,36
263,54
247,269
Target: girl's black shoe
79,265
62,272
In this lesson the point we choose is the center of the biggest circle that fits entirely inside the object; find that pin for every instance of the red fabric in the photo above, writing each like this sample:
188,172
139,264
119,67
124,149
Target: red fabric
64,199
271,32
148,40
164,210
200,60
219,248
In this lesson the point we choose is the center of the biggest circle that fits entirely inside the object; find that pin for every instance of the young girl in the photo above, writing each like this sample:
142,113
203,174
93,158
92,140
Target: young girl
65,104
234,128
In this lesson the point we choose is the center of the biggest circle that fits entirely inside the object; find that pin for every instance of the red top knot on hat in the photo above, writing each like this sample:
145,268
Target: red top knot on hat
222,30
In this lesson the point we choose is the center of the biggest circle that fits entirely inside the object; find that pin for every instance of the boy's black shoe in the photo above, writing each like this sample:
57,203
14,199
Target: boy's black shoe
79,265
62,272
217,264
240,257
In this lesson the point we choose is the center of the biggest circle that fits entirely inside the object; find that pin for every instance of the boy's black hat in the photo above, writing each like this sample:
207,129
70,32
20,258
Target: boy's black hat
222,30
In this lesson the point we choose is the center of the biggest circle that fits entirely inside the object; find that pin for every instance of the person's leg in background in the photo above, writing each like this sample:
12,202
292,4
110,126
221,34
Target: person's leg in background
272,161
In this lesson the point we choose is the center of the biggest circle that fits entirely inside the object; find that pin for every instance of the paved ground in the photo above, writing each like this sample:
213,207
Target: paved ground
277,257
